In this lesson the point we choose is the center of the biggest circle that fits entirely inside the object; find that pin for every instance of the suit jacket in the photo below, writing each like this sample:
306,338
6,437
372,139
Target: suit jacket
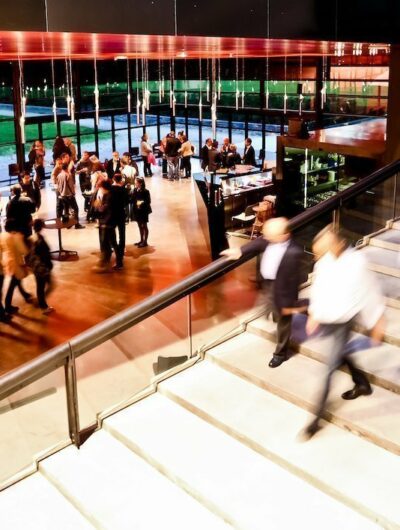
214,160
204,156
288,276
249,157
109,169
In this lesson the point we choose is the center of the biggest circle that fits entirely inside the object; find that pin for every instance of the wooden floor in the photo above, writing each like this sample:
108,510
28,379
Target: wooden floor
82,298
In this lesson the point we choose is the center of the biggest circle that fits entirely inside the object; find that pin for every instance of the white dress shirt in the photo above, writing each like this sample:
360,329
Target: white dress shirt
272,258
343,287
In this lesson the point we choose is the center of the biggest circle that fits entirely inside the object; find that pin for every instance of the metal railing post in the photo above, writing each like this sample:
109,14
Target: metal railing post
190,325
336,218
71,388
395,195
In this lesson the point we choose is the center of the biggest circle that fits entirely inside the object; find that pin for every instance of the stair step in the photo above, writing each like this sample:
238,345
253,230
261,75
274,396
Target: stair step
35,504
300,381
396,225
390,286
382,260
390,239
270,425
118,490
242,486
380,363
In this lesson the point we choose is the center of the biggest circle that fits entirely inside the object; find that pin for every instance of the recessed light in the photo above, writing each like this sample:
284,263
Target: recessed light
120,57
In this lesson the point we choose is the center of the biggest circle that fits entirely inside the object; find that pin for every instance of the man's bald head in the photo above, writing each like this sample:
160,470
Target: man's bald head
276,230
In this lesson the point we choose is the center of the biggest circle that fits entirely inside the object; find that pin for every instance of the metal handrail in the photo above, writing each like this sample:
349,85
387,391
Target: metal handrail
109,328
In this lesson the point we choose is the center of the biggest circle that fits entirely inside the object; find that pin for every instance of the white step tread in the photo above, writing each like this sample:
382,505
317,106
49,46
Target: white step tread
332,459
300,381
35,504
381,362
118,490
250,491
381,259
390,236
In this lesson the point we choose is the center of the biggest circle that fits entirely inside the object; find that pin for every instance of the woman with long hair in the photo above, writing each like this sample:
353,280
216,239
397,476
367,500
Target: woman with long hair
141,202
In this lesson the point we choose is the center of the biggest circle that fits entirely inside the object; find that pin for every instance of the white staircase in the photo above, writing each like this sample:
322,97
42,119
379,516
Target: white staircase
217,446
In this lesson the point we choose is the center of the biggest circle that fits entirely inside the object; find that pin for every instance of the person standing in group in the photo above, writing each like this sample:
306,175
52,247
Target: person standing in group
342,292
36,161
249,157
113,165
214,158
84,170
129,174
107,238
39,261
205,150
14,250
30,189
186,152
172,153
119,201
225,150
233,158
20,210
60,148
145,151
141,201
71,149
281,270
66,192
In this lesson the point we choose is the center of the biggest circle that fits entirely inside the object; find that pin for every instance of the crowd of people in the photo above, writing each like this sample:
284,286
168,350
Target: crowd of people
114,194
227,156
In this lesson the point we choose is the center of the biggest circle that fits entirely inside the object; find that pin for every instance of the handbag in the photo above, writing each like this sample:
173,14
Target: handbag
151,159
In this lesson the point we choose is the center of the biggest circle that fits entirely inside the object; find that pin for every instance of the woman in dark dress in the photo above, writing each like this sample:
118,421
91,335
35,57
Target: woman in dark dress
141,209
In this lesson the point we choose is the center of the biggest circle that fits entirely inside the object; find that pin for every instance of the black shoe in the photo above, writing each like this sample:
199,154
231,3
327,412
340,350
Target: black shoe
276,361
78,226
358,390
142,245
118,267
138,244
11,309
5,318
28,299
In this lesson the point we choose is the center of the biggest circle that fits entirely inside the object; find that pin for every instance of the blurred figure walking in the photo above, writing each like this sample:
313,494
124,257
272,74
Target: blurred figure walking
343,291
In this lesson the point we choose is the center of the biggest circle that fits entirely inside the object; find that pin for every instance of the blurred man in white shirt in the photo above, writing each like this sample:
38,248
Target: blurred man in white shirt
343,291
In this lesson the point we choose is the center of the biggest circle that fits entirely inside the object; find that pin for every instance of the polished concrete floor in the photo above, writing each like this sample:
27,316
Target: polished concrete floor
82,298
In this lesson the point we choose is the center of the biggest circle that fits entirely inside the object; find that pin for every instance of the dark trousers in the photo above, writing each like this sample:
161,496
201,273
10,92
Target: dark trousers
283,322
186,165
14,282
41,283
65,204
146,167
164,166
338,336
108,242
120,248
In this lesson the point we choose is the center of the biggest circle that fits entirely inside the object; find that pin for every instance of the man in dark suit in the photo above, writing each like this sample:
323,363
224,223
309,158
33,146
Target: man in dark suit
205,150
249,157
113,165
280,269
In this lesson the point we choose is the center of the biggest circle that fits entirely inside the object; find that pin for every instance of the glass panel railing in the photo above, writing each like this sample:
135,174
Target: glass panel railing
221,306
369,211
33,422
125,365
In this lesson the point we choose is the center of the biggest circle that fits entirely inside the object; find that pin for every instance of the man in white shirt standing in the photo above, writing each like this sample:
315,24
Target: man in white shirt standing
343,291
281,270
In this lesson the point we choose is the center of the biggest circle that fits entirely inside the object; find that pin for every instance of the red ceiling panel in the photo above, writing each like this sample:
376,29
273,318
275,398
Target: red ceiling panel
38,45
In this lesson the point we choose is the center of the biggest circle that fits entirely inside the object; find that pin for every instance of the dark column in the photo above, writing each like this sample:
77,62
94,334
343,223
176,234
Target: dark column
393,123
318,95
20,147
